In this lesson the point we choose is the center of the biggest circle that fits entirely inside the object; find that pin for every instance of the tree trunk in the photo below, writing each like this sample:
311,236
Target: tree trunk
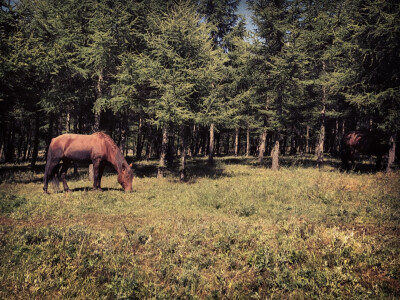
202,144
139,143
248,140
149,144
211,146
307,140
80,121
164,146
263,138
26,146
192,147
275,152
95,129
183,153
122,145
207,143
236,141
263,141
392,153
2,141
171,145
99,94
30,149
9,150
96,126
336,138
218,143
285,144
97,114
68,121
35,141
320,146
319,151
20,145
293,141
194,143
226,150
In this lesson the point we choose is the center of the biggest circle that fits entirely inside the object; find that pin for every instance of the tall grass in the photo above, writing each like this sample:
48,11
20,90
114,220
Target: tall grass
234,230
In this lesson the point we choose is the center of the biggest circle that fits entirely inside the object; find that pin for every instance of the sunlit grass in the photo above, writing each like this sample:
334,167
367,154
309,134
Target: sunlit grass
234,230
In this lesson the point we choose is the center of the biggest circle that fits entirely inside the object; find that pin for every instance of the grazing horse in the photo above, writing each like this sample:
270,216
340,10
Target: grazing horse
364,142
97,148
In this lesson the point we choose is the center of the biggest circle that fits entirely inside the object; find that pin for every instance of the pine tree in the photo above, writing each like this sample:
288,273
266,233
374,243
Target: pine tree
239,86
372,82
277,66
222,15
181,66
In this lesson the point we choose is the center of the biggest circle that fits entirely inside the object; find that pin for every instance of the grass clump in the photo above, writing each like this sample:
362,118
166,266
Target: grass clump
235,230
10,202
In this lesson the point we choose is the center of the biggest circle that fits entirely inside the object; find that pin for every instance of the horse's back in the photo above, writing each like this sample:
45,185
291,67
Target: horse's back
77,147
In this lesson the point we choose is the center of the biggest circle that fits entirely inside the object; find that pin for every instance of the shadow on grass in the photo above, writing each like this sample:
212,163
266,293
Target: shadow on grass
21,173
147,170
195,168
309,161
90,189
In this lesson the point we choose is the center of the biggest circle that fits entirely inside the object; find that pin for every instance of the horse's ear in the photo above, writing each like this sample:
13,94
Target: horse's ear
123,168
131,165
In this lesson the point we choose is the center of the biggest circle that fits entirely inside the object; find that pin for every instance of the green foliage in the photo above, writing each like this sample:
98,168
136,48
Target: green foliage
373,24
180,64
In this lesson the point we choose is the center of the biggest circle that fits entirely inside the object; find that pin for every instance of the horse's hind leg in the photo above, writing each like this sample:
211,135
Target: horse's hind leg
64,169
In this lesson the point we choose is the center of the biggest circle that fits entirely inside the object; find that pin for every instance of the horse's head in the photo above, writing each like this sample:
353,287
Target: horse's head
125,177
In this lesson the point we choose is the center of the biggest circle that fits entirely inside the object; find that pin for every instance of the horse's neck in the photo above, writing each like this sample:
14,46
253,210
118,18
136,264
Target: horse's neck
116,159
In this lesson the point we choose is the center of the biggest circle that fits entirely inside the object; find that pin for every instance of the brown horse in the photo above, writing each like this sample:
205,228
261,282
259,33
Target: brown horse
363,142
97,148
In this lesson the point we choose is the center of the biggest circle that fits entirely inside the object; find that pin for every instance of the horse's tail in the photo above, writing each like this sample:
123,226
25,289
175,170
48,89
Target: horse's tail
55,182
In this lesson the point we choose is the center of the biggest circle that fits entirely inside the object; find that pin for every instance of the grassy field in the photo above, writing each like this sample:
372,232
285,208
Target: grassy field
235,230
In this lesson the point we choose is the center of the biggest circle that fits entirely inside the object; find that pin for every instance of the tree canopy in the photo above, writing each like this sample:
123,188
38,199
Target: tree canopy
175,78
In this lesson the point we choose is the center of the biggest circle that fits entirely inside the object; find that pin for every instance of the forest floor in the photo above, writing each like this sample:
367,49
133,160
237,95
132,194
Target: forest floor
235,230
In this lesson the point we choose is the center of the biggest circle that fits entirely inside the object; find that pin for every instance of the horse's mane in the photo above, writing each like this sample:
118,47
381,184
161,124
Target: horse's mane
120,159
109,140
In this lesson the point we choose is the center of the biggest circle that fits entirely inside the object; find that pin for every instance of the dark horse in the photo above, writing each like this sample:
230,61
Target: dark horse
364,142
97,148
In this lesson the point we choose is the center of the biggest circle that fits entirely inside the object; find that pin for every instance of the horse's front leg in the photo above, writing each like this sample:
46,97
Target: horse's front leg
101,171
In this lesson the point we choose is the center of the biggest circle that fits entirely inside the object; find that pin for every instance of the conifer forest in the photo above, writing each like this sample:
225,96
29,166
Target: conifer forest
255,143
166,78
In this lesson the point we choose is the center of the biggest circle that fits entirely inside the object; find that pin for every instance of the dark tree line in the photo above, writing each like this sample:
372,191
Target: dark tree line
172,79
